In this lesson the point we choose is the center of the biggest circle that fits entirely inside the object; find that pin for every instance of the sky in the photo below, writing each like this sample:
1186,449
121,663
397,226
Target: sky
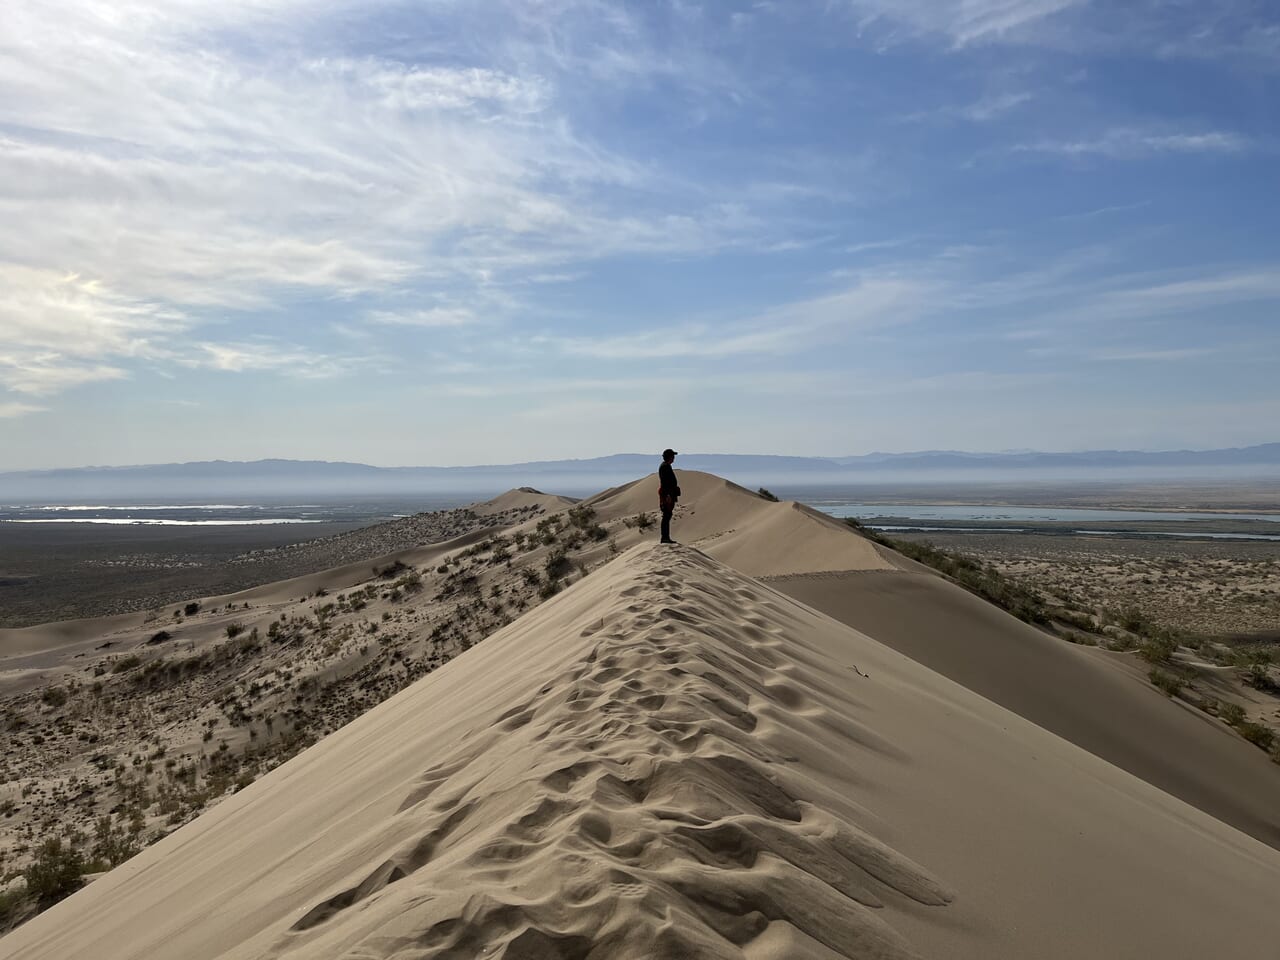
479,231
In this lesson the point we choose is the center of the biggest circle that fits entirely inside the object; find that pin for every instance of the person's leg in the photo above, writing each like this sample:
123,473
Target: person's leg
666,524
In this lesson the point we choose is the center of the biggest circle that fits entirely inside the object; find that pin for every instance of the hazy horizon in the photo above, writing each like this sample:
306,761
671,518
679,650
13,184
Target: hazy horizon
4,469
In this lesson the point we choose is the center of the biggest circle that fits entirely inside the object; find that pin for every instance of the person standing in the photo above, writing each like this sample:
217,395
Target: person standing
668,492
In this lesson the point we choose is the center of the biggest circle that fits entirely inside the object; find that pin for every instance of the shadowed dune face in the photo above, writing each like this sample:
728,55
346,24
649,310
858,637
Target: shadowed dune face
1063,688
670,760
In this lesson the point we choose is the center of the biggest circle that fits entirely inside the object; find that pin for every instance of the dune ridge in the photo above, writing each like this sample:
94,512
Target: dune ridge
627,810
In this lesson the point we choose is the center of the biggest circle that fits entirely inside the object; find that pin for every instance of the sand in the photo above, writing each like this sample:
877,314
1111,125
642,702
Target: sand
1075,692
672,759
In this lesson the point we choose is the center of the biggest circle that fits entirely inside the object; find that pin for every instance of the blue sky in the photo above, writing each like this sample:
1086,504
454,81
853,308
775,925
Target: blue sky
460,232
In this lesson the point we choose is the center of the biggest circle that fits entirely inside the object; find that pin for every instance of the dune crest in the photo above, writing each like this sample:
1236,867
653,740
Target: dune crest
629,808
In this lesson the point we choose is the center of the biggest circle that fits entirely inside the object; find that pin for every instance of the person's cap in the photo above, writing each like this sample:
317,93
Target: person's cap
669,453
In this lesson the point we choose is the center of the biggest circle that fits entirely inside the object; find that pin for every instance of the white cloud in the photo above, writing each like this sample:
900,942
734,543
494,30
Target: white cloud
14,410
874,301
994,105
1131,144
266,355
424,317
962,21
1245,286
1156,356
153,154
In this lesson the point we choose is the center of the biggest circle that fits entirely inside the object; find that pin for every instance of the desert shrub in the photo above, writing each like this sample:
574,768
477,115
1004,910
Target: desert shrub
1157,649
767,494
393,569
1258,676
643,521
557,565
1231,713
160,637
54,696
125,664
14,904
235,629
1131,618
1259,734
112,846
410,582
1170,683
191,609
1081,621
582,517
55,872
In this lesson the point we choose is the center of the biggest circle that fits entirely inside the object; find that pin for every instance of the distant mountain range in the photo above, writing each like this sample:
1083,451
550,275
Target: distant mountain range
296,478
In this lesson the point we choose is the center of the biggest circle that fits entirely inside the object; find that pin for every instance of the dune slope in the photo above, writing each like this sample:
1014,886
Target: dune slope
757,536
672,760
1066,689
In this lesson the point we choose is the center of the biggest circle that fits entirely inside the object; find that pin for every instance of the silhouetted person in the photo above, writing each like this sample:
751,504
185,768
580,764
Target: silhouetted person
668,492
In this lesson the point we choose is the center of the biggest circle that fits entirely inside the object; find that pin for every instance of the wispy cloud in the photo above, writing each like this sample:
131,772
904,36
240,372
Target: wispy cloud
994,105
1127,143
423,317
1235,287
12,410
875,301
1156,356
267,355
1106,211
961,21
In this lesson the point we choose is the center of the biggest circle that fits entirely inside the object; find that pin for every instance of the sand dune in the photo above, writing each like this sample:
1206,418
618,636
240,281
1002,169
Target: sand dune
671,760
521,498
746,531
1066,689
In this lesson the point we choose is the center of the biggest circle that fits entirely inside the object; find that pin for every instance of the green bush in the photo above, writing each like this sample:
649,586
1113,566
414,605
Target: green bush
14,905
1258,676
1168,682
1157,649
1258,734
1132,619
582,517
1231,713
557,565
54,696
55,873
767,494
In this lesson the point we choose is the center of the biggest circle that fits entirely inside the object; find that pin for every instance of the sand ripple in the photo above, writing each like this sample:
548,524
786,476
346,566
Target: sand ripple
636,807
